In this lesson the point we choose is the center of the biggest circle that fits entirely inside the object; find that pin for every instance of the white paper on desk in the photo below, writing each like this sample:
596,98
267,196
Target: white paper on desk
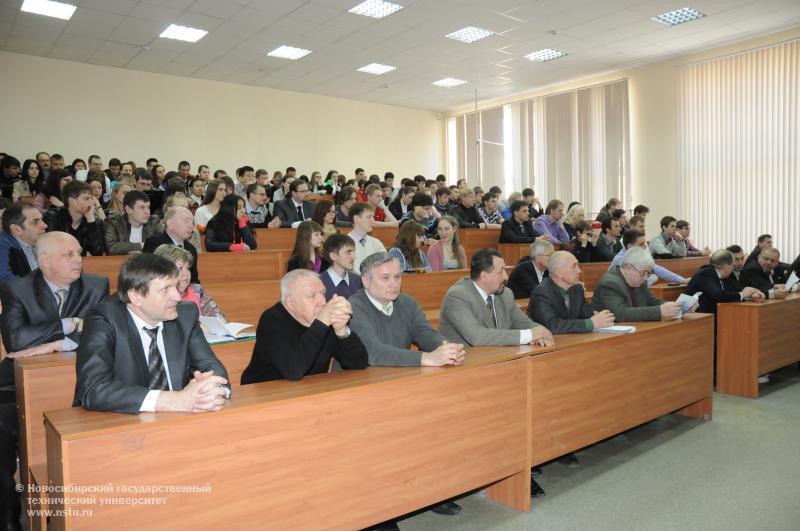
793,280
218,327
687,301
617,329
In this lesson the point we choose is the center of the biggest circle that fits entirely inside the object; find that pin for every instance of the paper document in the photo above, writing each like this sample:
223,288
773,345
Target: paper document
792,282
218,327
687,301
617,329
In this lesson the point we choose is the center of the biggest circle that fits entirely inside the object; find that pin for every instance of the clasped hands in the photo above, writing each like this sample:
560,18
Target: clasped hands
336,313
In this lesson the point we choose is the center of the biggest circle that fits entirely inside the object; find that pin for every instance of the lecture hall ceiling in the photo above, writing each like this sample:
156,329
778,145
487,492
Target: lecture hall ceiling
597,36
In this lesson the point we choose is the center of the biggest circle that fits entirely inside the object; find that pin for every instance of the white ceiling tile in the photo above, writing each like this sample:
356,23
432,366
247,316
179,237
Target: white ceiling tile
137,31
215,8
22,44
99,24
160,13
117,7
197,20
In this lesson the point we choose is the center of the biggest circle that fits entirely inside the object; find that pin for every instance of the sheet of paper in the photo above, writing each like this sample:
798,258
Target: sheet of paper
687,301
617,329
793,280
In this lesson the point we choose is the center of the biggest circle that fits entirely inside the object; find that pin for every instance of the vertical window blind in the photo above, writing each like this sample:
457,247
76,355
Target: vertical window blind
573,145
738,145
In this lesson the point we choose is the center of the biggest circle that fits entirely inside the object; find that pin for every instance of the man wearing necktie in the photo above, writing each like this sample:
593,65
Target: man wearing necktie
144,349
42,313
710,280
294,209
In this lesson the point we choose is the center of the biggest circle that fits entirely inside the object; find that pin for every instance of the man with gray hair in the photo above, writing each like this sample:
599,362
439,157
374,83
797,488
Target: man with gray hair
388,322
767,274
624,292
710,280
302,333
559,302
530,270
179,225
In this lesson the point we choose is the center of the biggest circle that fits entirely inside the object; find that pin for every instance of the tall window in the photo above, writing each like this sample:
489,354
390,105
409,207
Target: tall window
738,145
572,145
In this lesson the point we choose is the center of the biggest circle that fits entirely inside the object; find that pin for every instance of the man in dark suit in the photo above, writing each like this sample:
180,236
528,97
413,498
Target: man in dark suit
42,312
735,278
710,280
767,275
22,226
179,226
530,270
519,228
294,209
144,350
559,302
764,241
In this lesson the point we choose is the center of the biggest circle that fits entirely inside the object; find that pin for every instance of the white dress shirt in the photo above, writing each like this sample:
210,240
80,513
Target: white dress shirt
149,403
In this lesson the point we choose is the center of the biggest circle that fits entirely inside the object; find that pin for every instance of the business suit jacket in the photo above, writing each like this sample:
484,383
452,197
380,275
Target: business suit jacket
286,210
756,277
612,293
547,306
30,314
151,244
510,232
714,289
523,278
465,318
117,233
111,364
13,263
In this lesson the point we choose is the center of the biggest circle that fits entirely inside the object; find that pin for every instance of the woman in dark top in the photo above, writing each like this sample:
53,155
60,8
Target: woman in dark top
229,229
299,335
344,200
583,244
325,216
307,248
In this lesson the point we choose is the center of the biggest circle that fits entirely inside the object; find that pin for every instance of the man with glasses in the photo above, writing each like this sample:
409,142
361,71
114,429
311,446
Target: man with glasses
258,209
530,270
767,274
623,291
294,209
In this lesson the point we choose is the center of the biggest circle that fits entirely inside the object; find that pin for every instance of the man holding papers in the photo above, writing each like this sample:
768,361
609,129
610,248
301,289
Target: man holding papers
710,280
624,292
558,302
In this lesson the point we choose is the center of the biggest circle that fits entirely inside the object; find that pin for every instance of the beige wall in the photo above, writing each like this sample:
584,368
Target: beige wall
652,102
78,109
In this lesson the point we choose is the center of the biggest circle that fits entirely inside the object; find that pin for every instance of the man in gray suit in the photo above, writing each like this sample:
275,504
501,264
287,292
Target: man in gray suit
559,302
624,292
478,310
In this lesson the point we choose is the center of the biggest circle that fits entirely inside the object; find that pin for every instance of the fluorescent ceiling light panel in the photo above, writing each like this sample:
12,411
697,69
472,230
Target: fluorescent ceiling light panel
679,16
376,68
183,33
289,52
470,34
449,82
48,8
544,55
376,8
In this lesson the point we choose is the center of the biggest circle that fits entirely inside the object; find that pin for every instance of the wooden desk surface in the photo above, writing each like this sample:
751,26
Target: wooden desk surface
754,338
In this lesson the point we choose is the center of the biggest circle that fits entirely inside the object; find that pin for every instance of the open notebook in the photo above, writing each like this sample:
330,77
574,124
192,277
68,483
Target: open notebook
219,330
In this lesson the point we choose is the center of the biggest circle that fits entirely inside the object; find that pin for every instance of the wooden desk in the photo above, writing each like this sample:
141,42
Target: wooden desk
667,293
754,339
339,451
512,252
584,395
48,382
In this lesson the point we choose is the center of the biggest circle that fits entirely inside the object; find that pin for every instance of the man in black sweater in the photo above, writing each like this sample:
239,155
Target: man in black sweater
466,213
300,335
77,217
519,228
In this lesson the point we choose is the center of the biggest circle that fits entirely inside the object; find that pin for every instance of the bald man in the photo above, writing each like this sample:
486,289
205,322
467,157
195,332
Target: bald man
559,302
179,224
42,312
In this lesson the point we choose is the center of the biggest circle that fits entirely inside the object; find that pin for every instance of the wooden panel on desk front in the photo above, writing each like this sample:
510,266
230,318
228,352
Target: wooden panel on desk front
754,339
512,252
584,395
332,460
666,292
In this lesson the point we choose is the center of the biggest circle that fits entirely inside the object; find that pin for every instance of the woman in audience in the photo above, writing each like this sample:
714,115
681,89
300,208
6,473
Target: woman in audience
96,180
346,199
197,187
407,248
50,196
159,173
30,180
402,202
189,292
583,242
307,248
283,191
575,214
216,191
332,181
325,216
229,229
316,186
124,185
78,165
447,252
